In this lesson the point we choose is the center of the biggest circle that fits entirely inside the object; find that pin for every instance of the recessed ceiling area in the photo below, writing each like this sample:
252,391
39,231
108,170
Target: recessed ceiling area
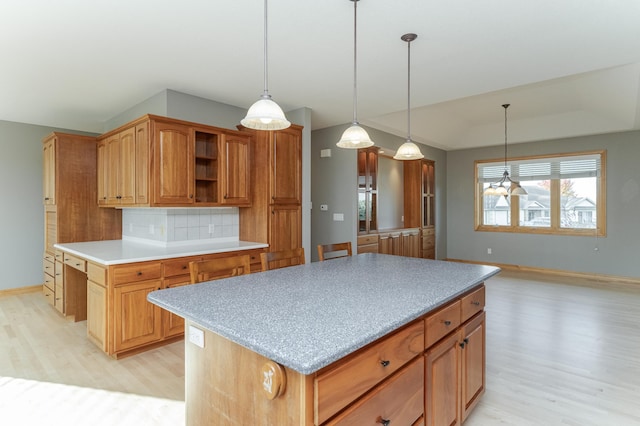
568,68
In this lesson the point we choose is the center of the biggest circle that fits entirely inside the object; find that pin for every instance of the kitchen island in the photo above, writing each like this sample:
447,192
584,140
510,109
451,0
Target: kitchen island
357,340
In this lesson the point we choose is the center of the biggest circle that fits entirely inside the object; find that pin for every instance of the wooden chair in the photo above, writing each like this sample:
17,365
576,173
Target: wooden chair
282,259
334,251
214,269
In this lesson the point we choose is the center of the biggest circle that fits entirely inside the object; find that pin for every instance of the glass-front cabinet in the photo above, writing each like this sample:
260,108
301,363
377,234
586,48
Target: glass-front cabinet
367,190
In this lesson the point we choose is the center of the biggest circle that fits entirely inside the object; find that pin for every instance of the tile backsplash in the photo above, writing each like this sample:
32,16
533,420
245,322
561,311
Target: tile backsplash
180,225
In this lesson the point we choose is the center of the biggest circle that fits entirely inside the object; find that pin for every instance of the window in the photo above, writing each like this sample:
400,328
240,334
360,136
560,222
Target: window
565,195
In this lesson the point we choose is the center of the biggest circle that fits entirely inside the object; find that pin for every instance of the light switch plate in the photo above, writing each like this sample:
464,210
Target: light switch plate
338,217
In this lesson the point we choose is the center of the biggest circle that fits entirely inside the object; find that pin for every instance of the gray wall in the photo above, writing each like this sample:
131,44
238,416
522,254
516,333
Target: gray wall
616,254
334,182
21,215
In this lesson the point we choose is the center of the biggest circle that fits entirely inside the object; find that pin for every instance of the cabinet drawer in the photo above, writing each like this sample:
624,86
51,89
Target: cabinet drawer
75,262
59,274
178,266
48,256
428,231
338,387
48,266
472,304
367,239
428,242
97,274
399,400
441,323
48,294
136,272
49,282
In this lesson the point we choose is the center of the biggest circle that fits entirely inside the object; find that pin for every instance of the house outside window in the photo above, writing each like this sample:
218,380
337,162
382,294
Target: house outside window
565,195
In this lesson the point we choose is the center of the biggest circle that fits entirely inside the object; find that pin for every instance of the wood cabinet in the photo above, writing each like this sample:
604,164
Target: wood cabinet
159,161
367,190
71,213
455,366
429,372
275,215
120,320
420,202
405,242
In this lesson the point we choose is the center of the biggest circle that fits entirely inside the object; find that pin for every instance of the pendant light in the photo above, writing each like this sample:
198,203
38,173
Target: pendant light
499,188
355,137
265,114
408,150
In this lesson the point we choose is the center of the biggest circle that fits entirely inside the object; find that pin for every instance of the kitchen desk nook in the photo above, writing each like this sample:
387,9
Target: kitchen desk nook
364,340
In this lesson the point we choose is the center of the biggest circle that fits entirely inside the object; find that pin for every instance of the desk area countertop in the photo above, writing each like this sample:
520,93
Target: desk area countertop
114,252
306,317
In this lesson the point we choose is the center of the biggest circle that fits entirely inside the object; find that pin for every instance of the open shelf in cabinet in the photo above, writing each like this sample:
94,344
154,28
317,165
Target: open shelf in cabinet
206,167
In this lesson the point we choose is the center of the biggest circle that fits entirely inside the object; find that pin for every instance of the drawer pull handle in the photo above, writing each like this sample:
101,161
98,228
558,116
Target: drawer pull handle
139,273
184,266
464,342
447,323
384,422
475,303
77,264
385,362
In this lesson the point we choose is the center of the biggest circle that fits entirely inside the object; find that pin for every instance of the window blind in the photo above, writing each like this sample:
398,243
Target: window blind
560,167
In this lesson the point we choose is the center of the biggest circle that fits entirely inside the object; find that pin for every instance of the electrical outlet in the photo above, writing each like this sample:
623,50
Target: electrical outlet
488,251
196,336
212,227
324,207
152,229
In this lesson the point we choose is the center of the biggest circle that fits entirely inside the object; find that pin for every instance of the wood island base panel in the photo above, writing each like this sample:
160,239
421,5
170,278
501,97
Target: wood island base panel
366,340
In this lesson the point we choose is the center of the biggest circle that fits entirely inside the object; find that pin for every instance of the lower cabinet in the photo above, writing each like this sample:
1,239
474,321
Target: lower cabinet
405,242
455,374
120,320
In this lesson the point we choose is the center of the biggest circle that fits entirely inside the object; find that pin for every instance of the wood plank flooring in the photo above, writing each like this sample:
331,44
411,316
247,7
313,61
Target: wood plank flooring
557,354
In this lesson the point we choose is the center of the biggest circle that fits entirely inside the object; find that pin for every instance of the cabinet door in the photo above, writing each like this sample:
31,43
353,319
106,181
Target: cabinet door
173,325
97,314
285,229
442,403
49,171
112,150
172,164
137,321
285,153
411,244
127,169
102,172
142,163
390,244
236,170
473,363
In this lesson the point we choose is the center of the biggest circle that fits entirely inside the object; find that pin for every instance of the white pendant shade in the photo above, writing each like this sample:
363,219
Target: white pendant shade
490,190
516,189
265,114
408,151
355,137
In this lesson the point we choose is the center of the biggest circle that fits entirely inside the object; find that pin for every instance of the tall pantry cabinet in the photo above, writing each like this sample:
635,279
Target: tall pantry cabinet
275,215
71,214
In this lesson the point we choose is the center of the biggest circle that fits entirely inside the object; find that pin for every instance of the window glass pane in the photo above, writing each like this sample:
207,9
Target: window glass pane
578,203
496,209
535,207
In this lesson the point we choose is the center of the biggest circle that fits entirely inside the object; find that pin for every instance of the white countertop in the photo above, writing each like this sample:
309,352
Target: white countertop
114,252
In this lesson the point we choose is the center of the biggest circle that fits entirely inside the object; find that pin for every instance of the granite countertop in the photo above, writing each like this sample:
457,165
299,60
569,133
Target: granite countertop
306,317
114,252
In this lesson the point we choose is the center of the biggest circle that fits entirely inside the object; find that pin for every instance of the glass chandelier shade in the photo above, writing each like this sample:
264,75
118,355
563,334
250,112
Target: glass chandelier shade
499,187
355,137
265,114
408,150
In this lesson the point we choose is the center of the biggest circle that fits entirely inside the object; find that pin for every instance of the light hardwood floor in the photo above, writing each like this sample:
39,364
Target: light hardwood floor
557,354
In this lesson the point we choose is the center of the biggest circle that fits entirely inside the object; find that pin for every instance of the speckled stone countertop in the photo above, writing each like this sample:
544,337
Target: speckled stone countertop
306,317
114,252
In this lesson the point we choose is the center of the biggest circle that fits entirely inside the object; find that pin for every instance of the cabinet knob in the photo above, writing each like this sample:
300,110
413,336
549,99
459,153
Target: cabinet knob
447,323
190,195
384,422
385,362
139,273
475,303
226,196
464,342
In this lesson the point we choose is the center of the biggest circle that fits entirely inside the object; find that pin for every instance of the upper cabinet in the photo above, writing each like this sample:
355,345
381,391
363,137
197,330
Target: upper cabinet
285,156
367,190
158,161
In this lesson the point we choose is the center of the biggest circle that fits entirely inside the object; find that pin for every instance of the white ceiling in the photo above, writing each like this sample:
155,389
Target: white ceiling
568,68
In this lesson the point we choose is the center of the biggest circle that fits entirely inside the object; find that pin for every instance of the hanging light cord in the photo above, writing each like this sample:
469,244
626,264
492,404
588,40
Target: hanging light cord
409,90
266,89
355,64
505,106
